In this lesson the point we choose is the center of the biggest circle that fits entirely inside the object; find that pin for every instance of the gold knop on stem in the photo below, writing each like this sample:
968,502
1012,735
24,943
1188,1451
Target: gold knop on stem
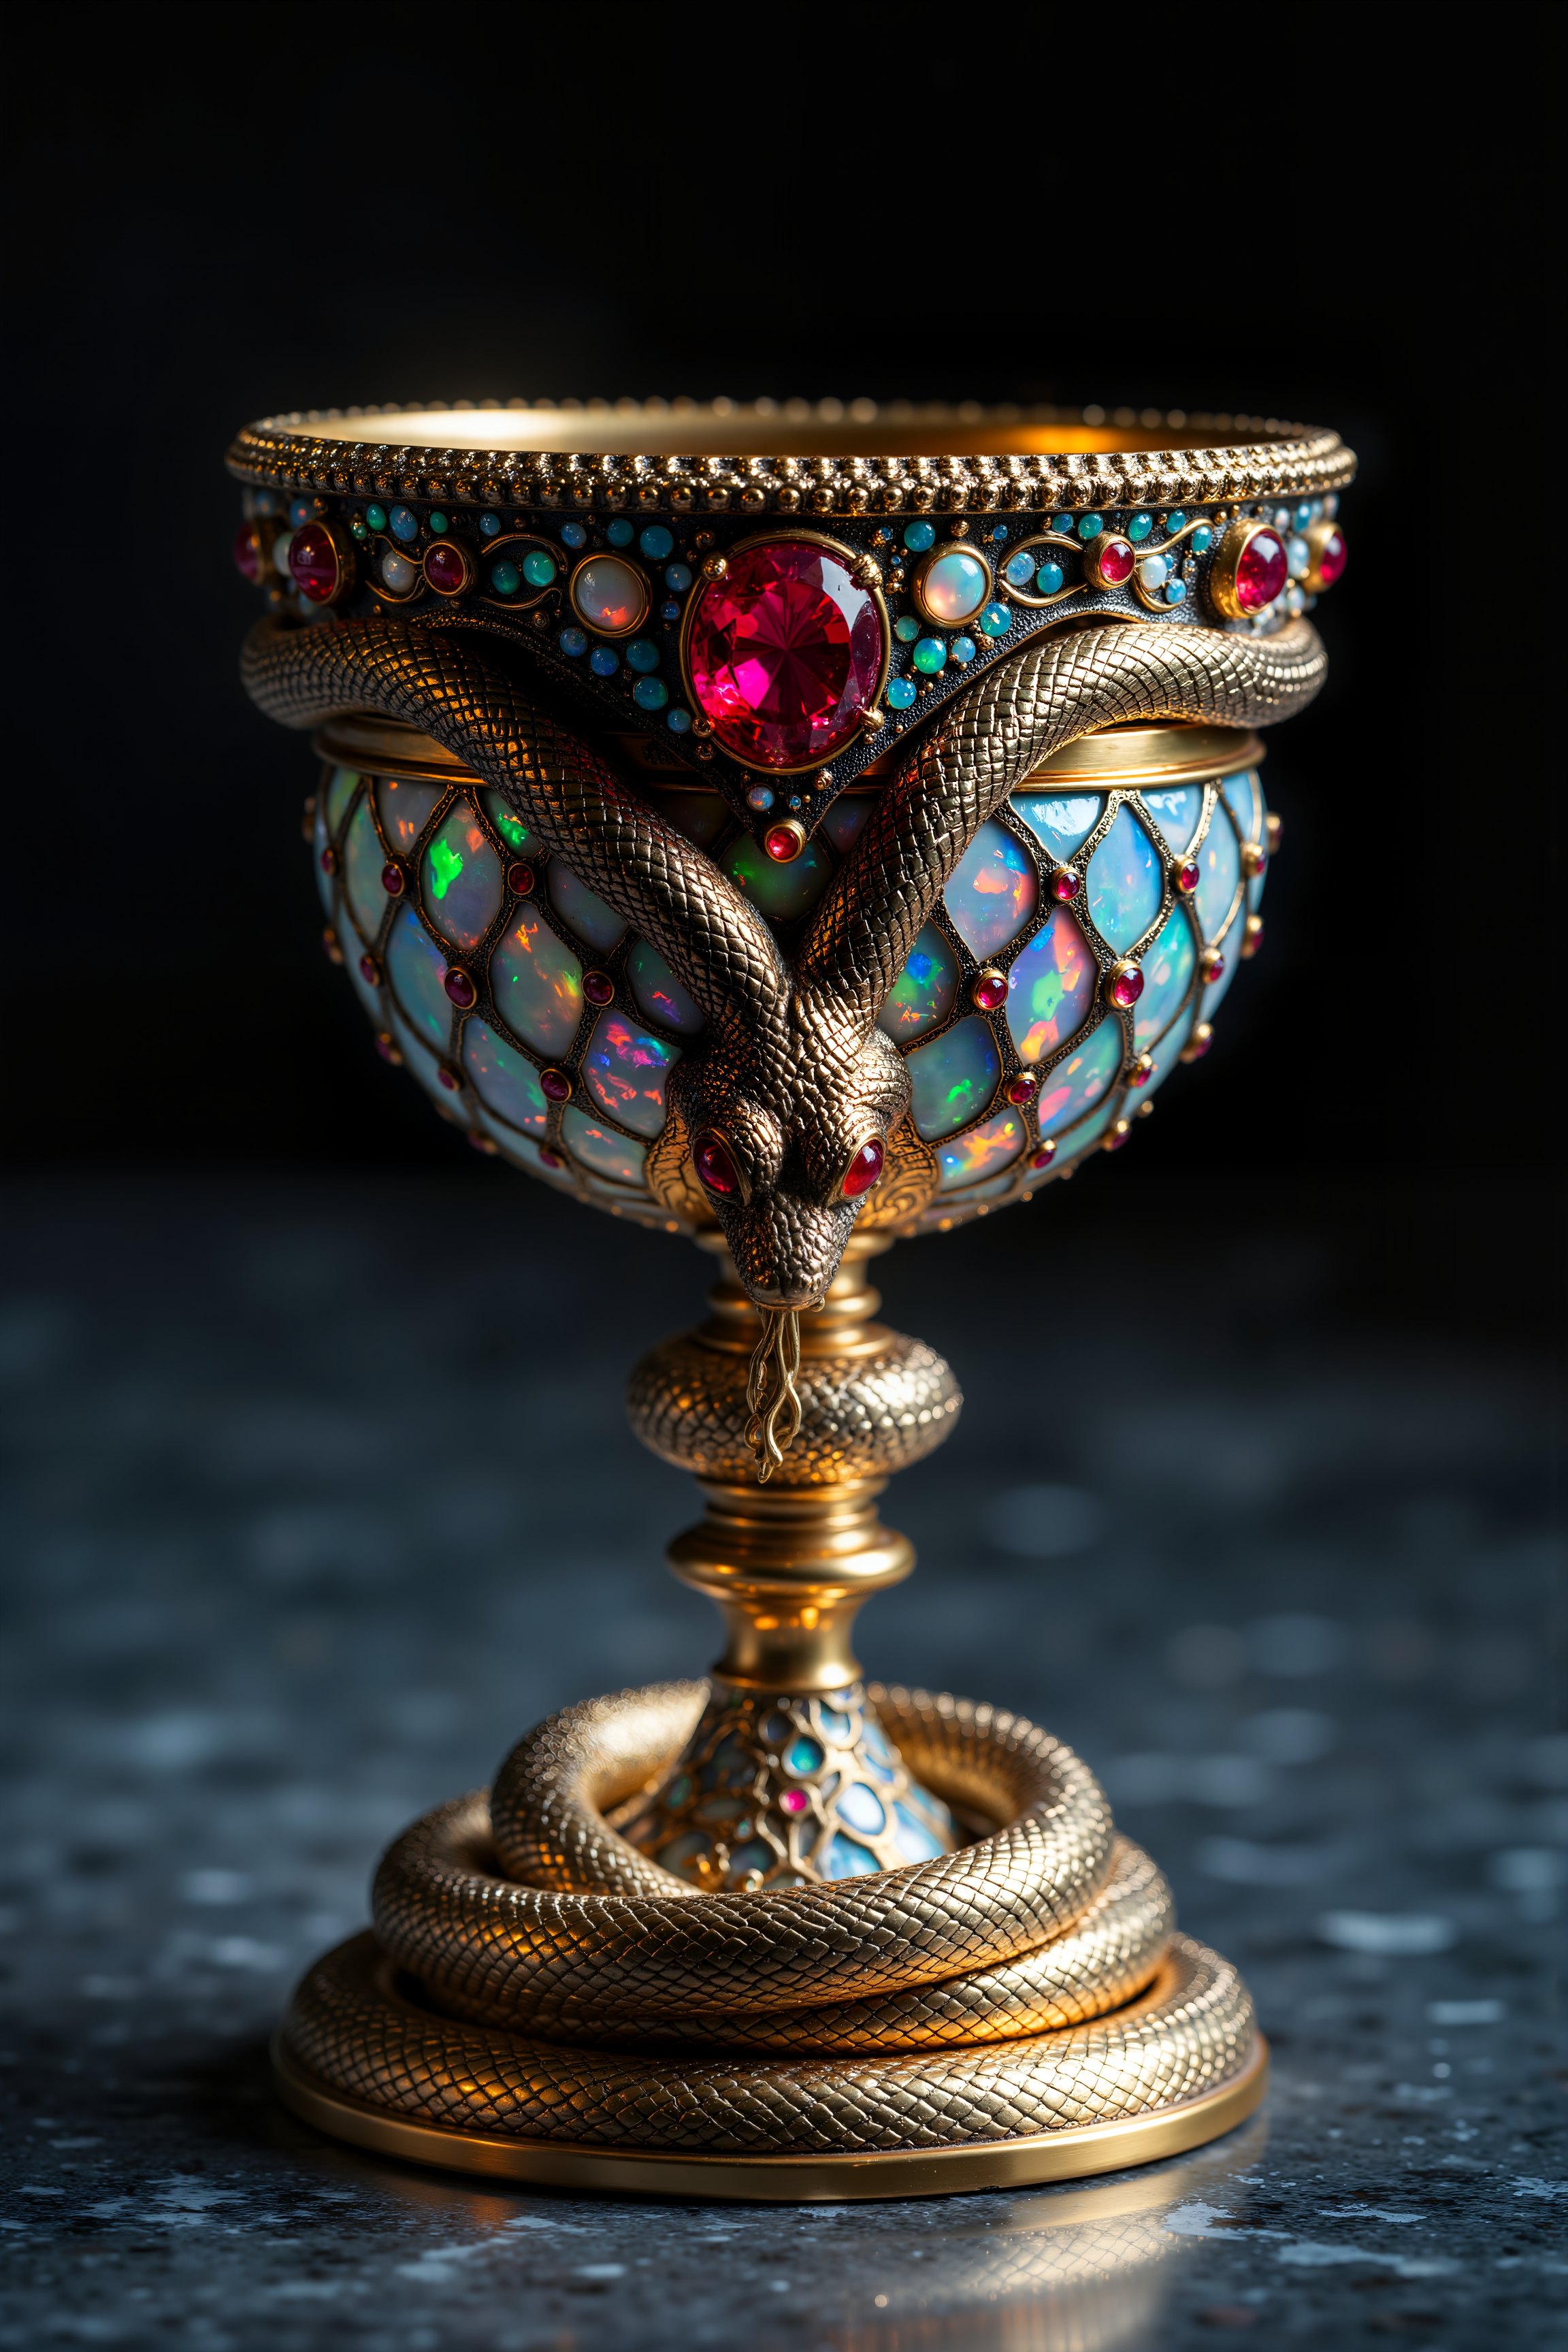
771,1392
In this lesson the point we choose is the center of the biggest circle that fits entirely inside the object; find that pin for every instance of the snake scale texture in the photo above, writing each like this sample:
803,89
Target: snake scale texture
793,1070
531,1974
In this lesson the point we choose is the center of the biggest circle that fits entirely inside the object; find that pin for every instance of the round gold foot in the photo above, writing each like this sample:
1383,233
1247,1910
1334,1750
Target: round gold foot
1070,2154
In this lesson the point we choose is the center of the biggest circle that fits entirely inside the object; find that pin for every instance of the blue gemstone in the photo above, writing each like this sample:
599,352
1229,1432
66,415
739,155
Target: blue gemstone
759,797
803,1755
1176,521
900,692
913,1839
301,510
376,517
619,533
1141,525
642,655
604,661
996,621
1061,522
1090,526
438,522
490,525
670,612
1176,812
874,1743
573,642
906,628
677,721
777,1730
1303,516
963,650
655,542
405,524
1175,590
573,535
918,537
505,578
1019,570
1063,822
999,534
1049,579
677,576
862,1809
538,567
844,1859
651,694
931,655
837,1727
1202,539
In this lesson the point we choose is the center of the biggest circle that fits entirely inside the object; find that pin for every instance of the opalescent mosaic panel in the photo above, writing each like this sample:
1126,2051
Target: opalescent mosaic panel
1125,882
1080,1078
1165,1056
700,817
1050,988
1219,861
846,820
782,892
1243,799
417,1058
600,1148
586,914
405,808
993,891
503,1077
659,992
526,1154
1060,821
417,967
460,879
511,828
954,1077
1176,812
321,840
626,1069
1230,948
1167,976
338,792
1089,1132
924,992
537,984
363,858
981,1153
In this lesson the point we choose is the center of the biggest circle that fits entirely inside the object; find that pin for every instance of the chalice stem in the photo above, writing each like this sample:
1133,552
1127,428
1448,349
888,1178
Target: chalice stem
775,1417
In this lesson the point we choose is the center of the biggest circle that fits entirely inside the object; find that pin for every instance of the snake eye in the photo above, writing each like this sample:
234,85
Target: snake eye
864,1168
715,1168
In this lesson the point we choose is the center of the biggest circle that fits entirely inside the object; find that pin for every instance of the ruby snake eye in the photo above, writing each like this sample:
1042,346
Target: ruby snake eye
715,1165
864,1168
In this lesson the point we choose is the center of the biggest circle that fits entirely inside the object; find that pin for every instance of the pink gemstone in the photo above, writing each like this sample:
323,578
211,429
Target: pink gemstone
989,991
329,861
370,971
519,879
1021,1089
1262,573
451,1080
460,988
1188,877
786,653
392,879
1065,884
783,843
1126,986
795,1801
1043,1156
1115,560
1210,964
550,1159
863,1170
598,987
314,560
482,1143
444,569
1331,561
1118,1135
556,1085
247,551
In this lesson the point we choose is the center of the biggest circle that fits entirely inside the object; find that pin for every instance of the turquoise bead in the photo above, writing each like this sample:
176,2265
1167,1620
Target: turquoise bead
678,577
573,642
538,567
1019,570
619,533
1175,592
604,661
642,655
803,1755
573,535
651,694
918,537
405,524
1201,539
930,656
505,578
900,693
655,542
996,621
1090,526
906,628
490,525
1176,521
376,517
677,721
962,651
1140,527
1049,580
1061,523
438,522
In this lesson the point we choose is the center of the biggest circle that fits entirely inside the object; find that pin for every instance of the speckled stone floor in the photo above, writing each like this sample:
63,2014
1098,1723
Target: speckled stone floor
322,1495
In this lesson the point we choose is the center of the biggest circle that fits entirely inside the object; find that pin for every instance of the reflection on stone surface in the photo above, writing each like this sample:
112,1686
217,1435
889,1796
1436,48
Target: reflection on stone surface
626,1068
363,858
600,1148
510,827
416,967
340,791
503,1077
1081,1077
537,984
1167,976
405,807
582,912
1060,821
460,881
659,994
984,1149
1176,810
1090,1130
992,890
846,820
924,992
1243,798
954,1077
1050,988
1124,882
1219,862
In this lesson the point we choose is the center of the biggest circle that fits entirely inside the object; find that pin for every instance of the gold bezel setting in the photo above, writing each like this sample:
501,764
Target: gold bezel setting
927,564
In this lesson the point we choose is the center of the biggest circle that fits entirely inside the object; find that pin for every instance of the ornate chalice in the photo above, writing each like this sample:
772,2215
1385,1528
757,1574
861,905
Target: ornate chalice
801,853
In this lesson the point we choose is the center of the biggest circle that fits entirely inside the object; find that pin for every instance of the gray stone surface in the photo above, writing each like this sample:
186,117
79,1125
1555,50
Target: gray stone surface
322,1495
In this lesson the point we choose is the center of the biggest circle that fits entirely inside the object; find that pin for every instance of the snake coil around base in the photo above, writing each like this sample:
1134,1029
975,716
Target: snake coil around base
534,1978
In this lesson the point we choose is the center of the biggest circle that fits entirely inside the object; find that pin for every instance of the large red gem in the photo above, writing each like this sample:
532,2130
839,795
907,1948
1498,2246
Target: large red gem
1332,561
314,560
460,988
1262,573
786,653
1126,985
715,1168
445,568
863,1170
251,556
1115,558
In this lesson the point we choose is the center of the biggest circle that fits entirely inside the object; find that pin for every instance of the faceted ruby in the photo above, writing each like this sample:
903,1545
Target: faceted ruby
460,988
795,1801
598,987
988,991
519,879
1065,884
1331,559
1188,877
370,971
863,1170
247,551
1021,1089
715,1168
783,843
785,653
449,1079
1262,573
393,879
329,861
556,1085
1115,562
444,569
1043,1156
314,560
1126,986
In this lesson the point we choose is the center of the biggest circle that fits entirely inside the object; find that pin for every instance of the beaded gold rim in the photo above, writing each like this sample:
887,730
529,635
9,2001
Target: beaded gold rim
1074,2154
